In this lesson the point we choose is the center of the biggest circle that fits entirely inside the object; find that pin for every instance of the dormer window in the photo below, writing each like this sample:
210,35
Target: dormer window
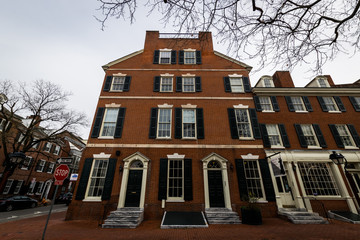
268,82
323,82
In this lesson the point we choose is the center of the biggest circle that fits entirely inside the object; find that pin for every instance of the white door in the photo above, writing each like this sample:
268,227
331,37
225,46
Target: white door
286,197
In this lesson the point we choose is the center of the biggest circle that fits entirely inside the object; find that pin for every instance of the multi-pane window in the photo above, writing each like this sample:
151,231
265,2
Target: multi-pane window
164,123
322,82
274,135
318,179
243,123
118,84
109,123
166,84
97,178
357,100
345,135
265,103
175,179
298,104
8,185
236,84
40,165
56,150
39,188
2,125
253,178
309,135
268,82
165,57
330,104
18,187
188,84
189,57
189,123
26,163
47,147
50,167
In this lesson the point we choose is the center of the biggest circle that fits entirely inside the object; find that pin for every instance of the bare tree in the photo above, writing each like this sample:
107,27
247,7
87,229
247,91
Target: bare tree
275,32
44,104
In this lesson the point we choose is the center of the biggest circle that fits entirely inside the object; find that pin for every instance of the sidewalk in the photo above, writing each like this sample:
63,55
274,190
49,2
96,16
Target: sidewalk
272,228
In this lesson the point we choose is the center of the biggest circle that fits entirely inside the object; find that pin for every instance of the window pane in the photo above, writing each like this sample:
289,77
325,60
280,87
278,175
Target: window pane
253,179
166,84
110,122
98,178
243,124
309,135
165,57
344,135
175,181
274,136
118,84
297,103
188,84
330,104
236,84
265,103
164,123
189,57
189,123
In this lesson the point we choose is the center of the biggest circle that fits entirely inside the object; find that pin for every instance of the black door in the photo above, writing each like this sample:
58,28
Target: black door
133,191
216,191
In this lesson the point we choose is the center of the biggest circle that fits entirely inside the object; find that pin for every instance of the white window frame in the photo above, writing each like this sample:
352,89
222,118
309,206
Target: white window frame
36,146
51,167
183,123
323,82
189,59
92,184
162,84
330,102
160,122
175,198
346,135
25,164
309,133
295,103
2,123
255,177
120,79
265,101
192,85
273,135
237,85
47,147
39,188
18,186
56,150
8,186
162,52
42,165
240,122
268,82
357,100
113,126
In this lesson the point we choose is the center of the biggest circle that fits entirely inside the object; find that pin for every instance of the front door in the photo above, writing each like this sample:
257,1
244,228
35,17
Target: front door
285,193
133,191
216,191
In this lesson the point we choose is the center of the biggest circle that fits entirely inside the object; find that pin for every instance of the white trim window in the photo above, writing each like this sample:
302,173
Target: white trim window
50,167
109,122
268,82
266,104
189,57
165,57
47,147
274,135
2,125
40,166
97,179
323,82
243,123
166,84
118,83
236,84
253,179
175,179
36,145
164,123
56,150
26,163
188,84
330,104
39,188
345,135
8,185
189,123
309,135
298,104
18,186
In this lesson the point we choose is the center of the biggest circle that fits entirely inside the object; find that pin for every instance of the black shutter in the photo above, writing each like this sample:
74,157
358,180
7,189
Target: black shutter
275,104
198,84
153,123
84,178
227,84
290,104
257,104
246,83
173,57
109,179
198,57
300,135
307,104
200,123
240,171
181,57
157,80
284,136
37,165
354,134
355,104
156,56
339,103
98,122
107,84
322,104
178,123
46,166
254,123
13,186
127,84
30,163
319,135
162,194
120,122
232,121
265,136
267,181
336,135
188,191
179,84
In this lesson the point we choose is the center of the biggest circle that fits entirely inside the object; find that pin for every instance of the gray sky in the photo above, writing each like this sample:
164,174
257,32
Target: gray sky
61,42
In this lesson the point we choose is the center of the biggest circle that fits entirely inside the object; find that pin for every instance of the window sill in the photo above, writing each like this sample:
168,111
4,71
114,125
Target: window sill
351,147
169,138
116,91
91,200
248,139
38,170
278,147
334,111
262,201
175,201
301,111
268,111
106,138
314,147
24,169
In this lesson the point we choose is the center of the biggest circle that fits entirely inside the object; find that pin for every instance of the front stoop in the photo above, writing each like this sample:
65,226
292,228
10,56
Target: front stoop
124,218
302,216
345,216
221,216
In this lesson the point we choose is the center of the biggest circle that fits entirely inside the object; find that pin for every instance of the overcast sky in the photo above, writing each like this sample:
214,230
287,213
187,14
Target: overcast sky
61,42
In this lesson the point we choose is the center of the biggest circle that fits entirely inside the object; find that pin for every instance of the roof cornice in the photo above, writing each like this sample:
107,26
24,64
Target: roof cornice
307,91
106,66
233,60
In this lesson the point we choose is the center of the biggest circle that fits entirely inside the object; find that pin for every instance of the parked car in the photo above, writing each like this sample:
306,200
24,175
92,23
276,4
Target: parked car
64,198
17,202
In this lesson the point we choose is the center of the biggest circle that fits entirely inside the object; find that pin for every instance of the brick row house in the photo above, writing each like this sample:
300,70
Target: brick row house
178,127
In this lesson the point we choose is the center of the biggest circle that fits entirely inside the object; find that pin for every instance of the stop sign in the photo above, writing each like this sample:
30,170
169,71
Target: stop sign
61,172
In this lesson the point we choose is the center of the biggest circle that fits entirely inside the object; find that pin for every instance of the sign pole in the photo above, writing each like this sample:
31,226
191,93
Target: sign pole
52,204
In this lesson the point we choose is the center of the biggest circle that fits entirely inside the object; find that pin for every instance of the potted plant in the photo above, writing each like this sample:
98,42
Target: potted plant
251,213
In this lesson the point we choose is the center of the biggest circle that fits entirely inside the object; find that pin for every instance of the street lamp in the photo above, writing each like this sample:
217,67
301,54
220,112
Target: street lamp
16,157
338,159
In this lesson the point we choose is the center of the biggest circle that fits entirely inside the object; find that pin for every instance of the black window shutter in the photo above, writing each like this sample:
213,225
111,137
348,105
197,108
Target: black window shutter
162,194
46,166
227,84
179,84
178,123
246,83
267,181
339,103
240,171
120,122
156,56
265,135
232,121
107,84
109,179
173,57
127,84
37,168
98,122
12,188
319,135
181,57
254,123
290,104
188,191
307,104
257,104
355,104
354,134
153,123
30,163
322,104
198,57
198,84
200,123
336,135
300,135
84,178
284,136
275,104
157,83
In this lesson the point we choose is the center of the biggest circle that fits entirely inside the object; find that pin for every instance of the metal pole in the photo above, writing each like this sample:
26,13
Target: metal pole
52,204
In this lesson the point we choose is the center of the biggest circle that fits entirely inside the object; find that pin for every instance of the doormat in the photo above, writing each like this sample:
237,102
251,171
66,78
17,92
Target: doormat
345,216
183,220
